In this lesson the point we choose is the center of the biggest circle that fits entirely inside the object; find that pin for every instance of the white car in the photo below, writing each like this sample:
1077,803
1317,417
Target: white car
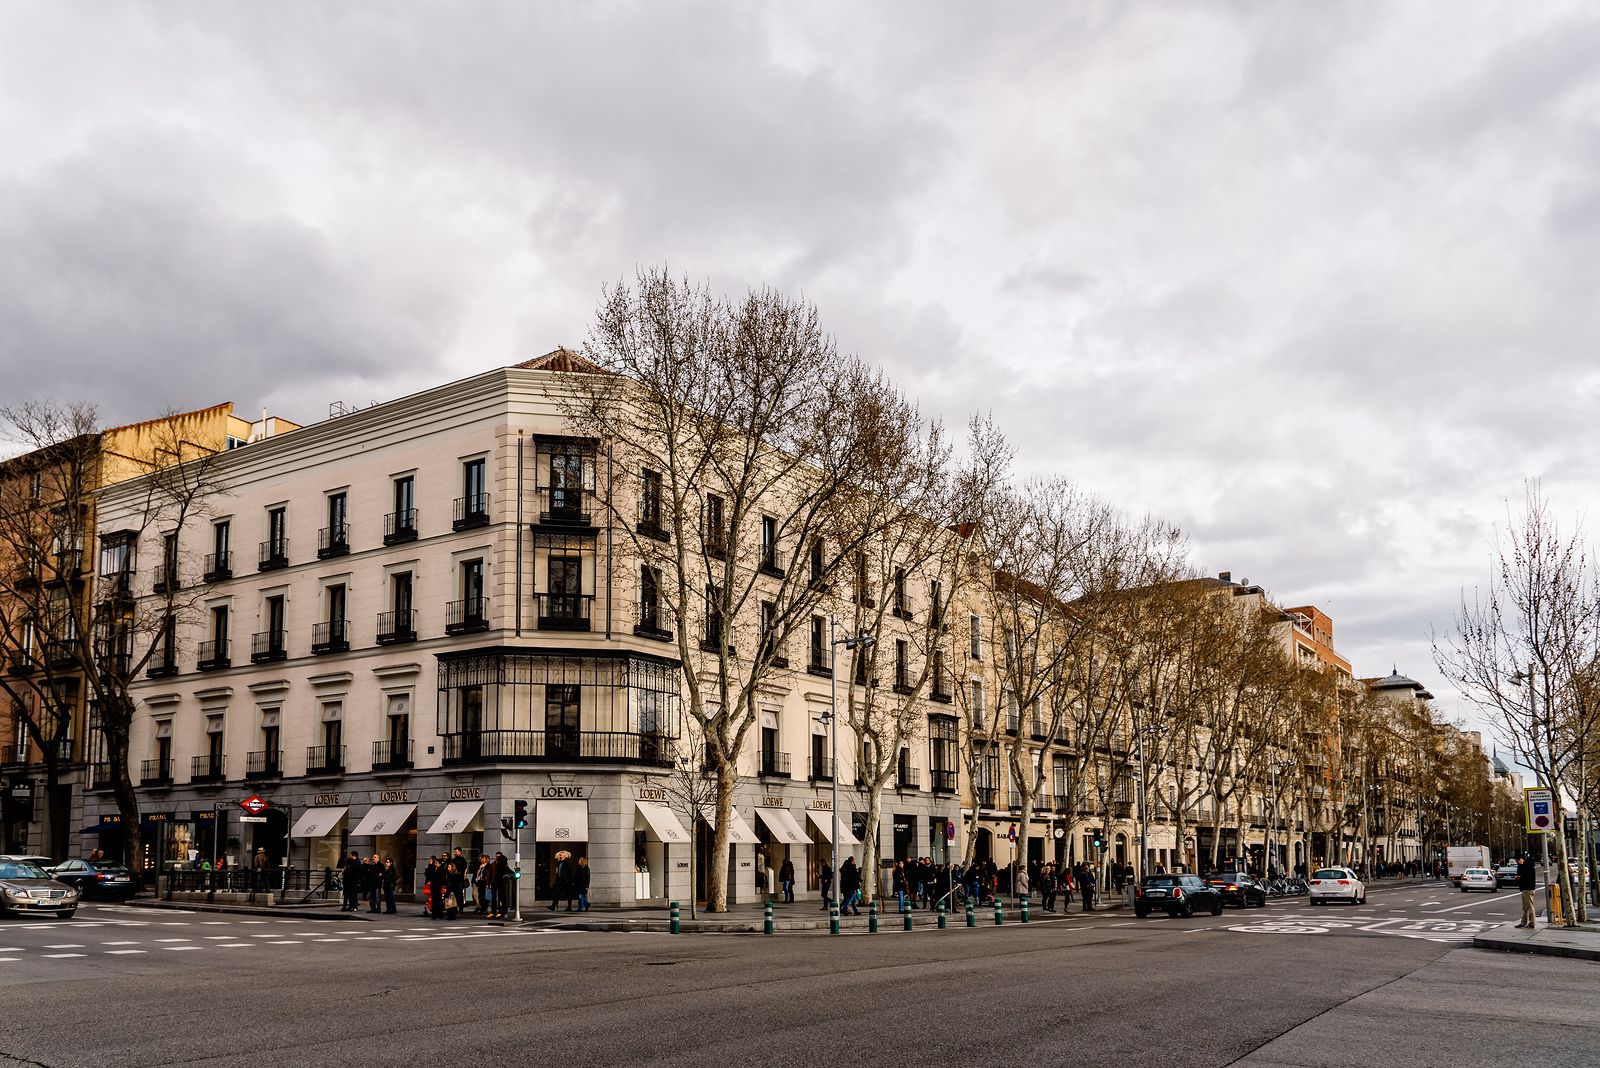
1479,879
1337,884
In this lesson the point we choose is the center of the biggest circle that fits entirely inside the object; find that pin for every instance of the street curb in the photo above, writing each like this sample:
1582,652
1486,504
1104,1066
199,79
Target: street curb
285,912
889,923
1505,944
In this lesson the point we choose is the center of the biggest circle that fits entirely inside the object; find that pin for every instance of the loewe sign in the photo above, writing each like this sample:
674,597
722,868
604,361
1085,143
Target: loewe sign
561,791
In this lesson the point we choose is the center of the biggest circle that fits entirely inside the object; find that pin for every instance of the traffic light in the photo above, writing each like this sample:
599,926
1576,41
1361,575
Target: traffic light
522,814
505,829
1098,843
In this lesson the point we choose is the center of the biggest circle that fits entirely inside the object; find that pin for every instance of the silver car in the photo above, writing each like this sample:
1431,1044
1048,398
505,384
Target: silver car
26,888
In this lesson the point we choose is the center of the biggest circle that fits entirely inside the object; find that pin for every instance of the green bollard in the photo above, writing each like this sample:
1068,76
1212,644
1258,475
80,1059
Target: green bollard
872,917
972,917
1024,903
833,919
677,919
941,914
908,919
766,925
999,917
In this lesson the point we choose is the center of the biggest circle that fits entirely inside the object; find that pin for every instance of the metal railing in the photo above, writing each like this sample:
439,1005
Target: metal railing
333,541
274,553
391,754
330,636
563,504
821,769
324,759
398,626
214,655
155,772
205,769
564,611
268,645
400,526
468,614
267,763
471,511
558,745
775,763
219,566
941,781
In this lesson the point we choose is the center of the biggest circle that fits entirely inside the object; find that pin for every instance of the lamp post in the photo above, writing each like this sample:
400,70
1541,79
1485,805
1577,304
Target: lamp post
1274,768
854,641
1139,731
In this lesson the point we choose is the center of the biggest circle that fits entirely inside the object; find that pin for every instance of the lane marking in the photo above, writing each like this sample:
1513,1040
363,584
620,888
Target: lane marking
328,940
119,943
9,960
1458,908
236,945
180,949
68,945
291,943
121,952
174,940
60,956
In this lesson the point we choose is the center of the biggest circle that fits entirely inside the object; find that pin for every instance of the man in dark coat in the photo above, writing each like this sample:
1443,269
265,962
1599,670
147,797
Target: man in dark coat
353,876
1527,882
563,887
850,887
826,879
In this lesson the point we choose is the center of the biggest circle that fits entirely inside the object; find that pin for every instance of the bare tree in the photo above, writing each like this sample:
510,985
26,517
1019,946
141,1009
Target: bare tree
1522,647
772,460
77,624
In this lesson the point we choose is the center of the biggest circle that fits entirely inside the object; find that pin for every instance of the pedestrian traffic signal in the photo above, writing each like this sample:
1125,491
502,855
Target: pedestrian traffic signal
505,829
522,814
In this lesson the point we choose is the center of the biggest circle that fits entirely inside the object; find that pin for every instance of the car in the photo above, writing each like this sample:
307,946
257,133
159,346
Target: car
1479,879
1239,888
93,878
27,888
1176,895
1506,875
29,858
1337,884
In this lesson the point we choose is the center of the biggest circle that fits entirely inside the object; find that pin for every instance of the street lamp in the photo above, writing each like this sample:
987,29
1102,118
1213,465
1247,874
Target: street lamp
1275,768
854,641
1138,733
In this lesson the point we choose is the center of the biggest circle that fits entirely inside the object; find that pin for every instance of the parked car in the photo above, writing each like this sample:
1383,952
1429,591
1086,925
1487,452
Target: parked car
96,878
1479,879
1506,875
28,888
29,858
1337,884
1176,895
1239,888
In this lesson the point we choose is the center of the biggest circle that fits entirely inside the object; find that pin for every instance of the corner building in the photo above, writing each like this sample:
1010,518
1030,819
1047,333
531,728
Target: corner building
414,616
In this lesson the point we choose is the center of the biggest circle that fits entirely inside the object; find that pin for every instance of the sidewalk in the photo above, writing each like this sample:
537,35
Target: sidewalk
1581,942
801,916
309,911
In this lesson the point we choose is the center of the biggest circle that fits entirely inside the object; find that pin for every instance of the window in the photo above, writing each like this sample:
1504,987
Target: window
219,565
214,746
941,687
942,752
570,474
401,524
270,643
716,539
472,582
863,576
650,503
769,751
335,605
976,702
472,507
167,573
400,595
278,526
975,636
820,768
334,539
1013,712
769,545
819,644
561,720
935,604
650,600
901,608
902,667
714,637
818,569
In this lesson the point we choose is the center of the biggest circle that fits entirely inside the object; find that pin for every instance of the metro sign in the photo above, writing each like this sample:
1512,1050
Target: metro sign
255,804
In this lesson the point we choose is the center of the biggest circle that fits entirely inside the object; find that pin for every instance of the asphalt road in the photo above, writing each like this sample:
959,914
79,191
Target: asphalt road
1288,985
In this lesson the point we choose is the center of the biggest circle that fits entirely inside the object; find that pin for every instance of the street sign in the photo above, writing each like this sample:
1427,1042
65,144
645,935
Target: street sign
950,830
1011,835
252,819
1541,809
255,804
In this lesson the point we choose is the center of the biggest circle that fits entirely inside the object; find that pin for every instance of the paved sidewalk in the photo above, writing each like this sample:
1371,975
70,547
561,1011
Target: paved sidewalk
1581,942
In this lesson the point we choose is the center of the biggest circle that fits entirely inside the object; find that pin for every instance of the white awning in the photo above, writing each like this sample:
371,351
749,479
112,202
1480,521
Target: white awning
457,816
663,821
317,822
561,821
782,825
383,819
739,832
823,822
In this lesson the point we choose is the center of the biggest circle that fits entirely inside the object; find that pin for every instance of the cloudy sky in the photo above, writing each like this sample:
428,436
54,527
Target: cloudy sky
1316,281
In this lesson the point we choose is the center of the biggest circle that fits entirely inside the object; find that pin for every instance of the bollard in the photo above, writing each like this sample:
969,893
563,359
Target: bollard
833,919
908,919
941,914
766,925
1024,903
677,919
999,917
972,917
872,917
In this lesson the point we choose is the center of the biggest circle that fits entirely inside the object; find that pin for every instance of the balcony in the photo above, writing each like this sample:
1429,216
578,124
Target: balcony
778,652
531,747
652,623
712,641
214,655
397,627
902,685
907,779
116,589
818,665
204,769
266,764
769,566
166,579
60,654
471,511
900,611
219,566
941,692
563,506
331,636
333,541
68,567
563,611
467,615
821,769
162,667
268,645
22,665
400,526
324,760
155,773
986,796
649,525
114,663
942,782
774,765
716,547
99,776
391,755
274,554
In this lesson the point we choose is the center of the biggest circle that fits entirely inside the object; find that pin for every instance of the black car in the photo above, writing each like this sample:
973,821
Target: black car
96,879
1239,888
1176,895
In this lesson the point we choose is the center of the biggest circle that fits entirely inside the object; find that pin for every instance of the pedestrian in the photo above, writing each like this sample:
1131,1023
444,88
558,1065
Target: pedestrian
826,879
786,877
897,883
849,887
503,885
1047,887
372,883
562,891
258,872
390,879
1527,882
580,884
352,875
1022,885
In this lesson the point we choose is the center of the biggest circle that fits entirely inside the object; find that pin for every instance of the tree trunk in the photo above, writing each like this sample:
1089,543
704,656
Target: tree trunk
869,845
717,863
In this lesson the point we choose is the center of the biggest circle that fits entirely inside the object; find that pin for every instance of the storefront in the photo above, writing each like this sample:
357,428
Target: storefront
559,825
391,830
322,832
660,846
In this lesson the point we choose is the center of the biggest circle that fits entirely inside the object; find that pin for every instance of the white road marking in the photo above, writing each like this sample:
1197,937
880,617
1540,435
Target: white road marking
1457,908
119,943
9,960
291,943
182,948
174,940
219,938
213,923
10,949
68,945
252,921
236,945
328,940
59,956
122,952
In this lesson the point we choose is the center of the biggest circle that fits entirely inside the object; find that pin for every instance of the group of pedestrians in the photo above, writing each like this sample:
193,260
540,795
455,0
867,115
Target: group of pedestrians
371,881
571,882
